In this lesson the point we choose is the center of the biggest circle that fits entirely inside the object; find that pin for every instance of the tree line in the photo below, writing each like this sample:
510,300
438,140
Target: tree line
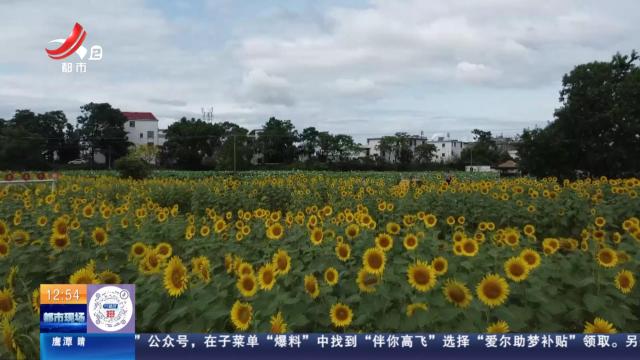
595,131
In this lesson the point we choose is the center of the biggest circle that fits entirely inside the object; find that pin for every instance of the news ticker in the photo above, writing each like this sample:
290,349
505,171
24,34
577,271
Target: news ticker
98,322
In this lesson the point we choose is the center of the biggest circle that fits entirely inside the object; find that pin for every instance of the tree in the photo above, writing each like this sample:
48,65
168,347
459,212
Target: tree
484,151
147,152
21,149
310,142
236,150
396,148
325,143
425,152
189,142
597,127
102,127
277,141
344,146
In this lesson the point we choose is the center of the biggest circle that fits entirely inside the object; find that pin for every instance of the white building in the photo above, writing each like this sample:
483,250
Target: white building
142,129
373,143
447,149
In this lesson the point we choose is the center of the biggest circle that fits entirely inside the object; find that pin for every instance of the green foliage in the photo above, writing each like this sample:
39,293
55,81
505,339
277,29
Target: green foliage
597,128
133,167
102,127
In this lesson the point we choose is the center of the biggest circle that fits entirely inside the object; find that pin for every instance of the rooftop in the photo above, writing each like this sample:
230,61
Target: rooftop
139,116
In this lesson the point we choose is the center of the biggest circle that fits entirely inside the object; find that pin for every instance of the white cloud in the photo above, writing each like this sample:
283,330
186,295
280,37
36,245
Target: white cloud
391,65
261,87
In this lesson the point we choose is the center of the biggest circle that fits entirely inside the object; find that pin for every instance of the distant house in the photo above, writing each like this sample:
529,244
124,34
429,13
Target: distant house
509,168
479,168
447,149
142,128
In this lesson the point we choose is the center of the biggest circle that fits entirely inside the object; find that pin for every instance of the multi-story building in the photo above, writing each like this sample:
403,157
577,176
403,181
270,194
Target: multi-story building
447,149
374,143
142,129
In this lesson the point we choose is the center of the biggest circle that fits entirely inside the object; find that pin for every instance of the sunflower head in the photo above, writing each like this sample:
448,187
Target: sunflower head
241,315
367,281
343,251
607,257
493,290
176,277
247,285
531,257
7,303
384,242
457,293
599,326
341,315
440,265
374,260
278,326
267,276
412,308
99,236
311,286
516,269
625,281
498,327
421,276
282,261
331,276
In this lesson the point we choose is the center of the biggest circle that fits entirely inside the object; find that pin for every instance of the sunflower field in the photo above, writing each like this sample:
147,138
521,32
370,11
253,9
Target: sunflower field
324,252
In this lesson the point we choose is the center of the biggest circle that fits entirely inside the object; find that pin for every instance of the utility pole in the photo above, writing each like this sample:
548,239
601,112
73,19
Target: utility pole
234,153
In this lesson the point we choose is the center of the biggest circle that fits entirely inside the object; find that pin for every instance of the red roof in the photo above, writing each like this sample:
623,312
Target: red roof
139,116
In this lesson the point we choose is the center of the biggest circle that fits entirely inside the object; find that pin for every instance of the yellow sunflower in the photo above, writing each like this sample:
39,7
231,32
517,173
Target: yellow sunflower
247,285
516,269
421,276
5,249
278,326
469,247
83,276
625,281
60,227
267,276
241,315
316,236
410,242
275,231
607,257
20,237
384,241
201,268
7,303
109,277
331,276
151,263
599,326
99,236
282,261
531,257
430,220
412,308
367,281
165,250
176,277
352,231
138,250
457,293
374,260
343,251
35,301
440,265
393,228
341,315
311,286
498,327
493,290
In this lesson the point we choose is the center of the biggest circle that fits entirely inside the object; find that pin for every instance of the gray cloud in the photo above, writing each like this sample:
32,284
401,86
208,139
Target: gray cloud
377,67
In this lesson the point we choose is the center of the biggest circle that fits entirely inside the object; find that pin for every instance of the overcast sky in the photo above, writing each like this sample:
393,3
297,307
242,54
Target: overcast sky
365,68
